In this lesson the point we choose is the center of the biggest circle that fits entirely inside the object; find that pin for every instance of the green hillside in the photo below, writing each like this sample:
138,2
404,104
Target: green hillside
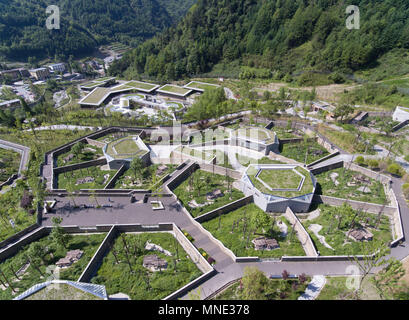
84,25
272,39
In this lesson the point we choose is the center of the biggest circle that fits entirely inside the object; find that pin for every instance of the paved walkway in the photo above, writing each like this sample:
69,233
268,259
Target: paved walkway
314,288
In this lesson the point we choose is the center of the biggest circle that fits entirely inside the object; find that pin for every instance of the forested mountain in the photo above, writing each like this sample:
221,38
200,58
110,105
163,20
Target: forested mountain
84,24
278,36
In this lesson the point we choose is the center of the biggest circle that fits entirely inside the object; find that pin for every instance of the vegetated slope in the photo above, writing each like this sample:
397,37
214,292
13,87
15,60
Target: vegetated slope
84,24
274,35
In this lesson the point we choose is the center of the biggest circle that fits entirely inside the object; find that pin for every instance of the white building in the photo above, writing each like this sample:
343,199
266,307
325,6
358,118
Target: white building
58,67
401,114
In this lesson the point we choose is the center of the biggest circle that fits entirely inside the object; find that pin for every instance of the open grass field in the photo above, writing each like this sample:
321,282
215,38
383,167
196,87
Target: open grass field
335,230
198,185
336,289
347,185
52,253
125,273
241,246
9,163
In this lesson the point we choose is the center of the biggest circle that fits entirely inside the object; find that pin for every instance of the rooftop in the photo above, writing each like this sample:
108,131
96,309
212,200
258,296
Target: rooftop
200,86
174,90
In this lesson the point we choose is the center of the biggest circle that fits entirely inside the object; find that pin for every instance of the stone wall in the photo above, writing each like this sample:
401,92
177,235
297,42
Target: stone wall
330,156
302,234
95,143
18,235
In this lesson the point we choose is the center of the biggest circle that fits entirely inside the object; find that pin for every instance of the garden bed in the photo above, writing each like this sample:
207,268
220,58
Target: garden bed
80,179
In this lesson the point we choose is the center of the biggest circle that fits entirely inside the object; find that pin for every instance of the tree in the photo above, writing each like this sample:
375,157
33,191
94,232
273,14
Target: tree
137,167
77,149
260,220
387,280
342,111
58,233
254,284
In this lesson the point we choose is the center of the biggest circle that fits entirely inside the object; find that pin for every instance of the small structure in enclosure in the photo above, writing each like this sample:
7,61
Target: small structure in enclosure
360,234
70,258
263,243
154,263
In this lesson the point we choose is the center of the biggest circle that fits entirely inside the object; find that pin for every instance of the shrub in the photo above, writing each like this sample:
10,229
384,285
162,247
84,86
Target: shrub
395,169
373,163
406,193
285,275
407,158
360,160
26,200
302,278
211,260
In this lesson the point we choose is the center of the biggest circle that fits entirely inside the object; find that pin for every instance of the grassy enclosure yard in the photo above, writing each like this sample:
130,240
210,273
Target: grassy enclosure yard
237,231
351,185
122,269
198,185
9,163
88,178
50,253
298,151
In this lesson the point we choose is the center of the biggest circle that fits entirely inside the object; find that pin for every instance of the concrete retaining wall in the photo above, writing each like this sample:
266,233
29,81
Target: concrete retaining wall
330,156
96,260
277,157
220,170
83,165
18,235
225,209
111,183
328,167
13,249
302,234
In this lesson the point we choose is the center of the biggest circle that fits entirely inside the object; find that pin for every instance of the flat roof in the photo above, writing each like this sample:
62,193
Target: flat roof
97,82
98,95
174,90
201,86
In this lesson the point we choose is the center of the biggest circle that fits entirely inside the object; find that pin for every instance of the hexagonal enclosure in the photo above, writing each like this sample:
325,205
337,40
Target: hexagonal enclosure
278,186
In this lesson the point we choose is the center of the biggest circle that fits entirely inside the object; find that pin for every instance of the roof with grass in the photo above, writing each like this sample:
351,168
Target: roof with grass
174,90
126,148
255,134
281,180
201,86
97,82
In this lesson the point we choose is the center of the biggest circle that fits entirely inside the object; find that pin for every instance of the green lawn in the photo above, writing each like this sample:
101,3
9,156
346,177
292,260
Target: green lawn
203,155
298,151
140,283
201,85
280,179
246,161
96,95
88,244
273,290
242,247
141,85
125,148
9,163
254,133
198,185
327,187
70,179
337,238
